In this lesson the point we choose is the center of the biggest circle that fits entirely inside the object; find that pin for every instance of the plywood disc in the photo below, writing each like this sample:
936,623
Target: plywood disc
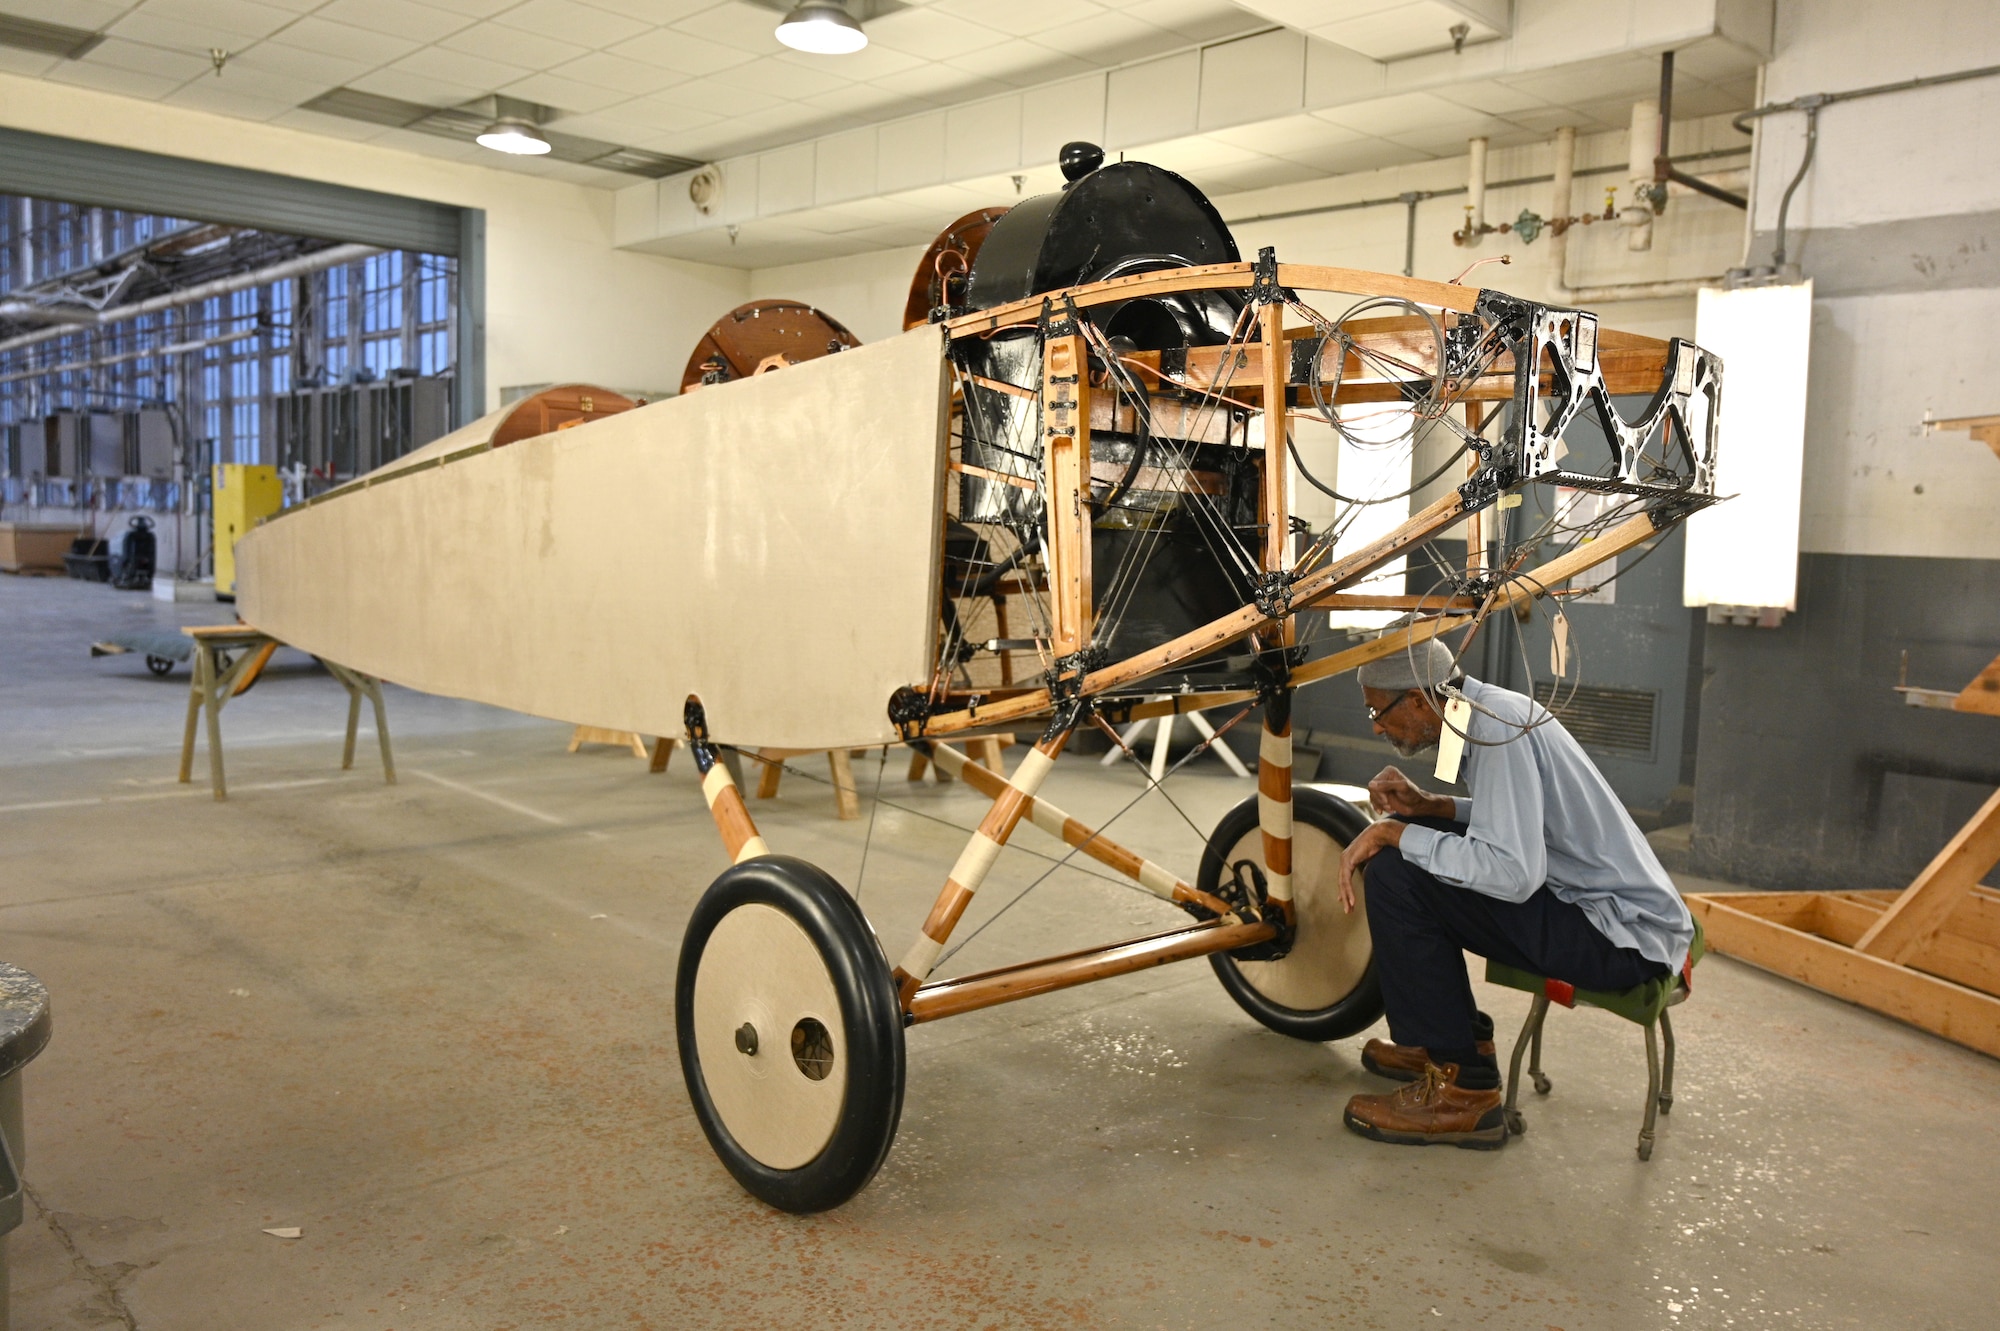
1332,951
741,341
781,1102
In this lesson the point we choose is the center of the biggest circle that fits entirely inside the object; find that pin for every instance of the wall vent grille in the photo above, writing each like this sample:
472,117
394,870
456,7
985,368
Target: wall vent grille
1615,721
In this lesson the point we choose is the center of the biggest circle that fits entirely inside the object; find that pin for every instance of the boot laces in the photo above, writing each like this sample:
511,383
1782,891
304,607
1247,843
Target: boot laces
1428,1089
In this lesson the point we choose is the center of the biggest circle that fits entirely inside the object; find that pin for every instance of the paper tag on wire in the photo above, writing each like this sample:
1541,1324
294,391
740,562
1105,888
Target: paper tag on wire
1559,645
1451,739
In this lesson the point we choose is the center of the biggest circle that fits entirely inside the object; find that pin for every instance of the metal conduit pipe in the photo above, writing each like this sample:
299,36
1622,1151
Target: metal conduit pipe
221,286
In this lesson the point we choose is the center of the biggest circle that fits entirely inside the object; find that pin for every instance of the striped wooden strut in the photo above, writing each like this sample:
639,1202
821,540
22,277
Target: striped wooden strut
975,862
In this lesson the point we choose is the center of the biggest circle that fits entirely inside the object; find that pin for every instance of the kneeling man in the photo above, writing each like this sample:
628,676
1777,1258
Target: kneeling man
1541,869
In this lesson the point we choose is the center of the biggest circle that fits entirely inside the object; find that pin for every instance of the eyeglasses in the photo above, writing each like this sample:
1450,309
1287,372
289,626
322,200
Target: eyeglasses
1374,716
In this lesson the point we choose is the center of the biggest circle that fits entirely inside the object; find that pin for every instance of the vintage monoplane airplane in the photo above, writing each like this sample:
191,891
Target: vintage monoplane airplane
1089,434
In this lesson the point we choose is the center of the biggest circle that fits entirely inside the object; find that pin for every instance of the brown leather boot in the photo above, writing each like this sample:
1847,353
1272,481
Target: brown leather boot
1433,1110
1404,1062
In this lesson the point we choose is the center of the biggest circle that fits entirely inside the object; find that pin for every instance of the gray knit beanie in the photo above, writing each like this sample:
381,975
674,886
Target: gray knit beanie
1423,665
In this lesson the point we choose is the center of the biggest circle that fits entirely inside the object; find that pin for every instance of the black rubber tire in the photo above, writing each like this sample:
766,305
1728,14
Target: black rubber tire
869,1012
160,665
1362,1006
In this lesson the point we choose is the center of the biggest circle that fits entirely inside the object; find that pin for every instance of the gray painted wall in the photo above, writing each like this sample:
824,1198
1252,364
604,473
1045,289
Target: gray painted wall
1812,773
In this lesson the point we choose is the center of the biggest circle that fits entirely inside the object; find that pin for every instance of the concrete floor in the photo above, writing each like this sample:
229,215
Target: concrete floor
430,1024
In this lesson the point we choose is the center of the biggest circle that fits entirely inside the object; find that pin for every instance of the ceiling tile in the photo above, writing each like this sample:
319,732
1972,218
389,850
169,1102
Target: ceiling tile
316,70
854,99
1496,99
653,11
1292,134
932,34
240,79
91,14
940,83
434,62
662,116
395,18
209,95
669,48
1109,37
1387,115
791,80
1020,64
746,27
238,19
1020,18
565,94
469,8
512,46
118,53
334,127
615,71
1197,20
719,94
33,64
568,21
124,82
416,88
313,33
1360,155
872,62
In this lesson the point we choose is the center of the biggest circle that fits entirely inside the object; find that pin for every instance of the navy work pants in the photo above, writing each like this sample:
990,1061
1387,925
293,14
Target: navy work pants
1423,927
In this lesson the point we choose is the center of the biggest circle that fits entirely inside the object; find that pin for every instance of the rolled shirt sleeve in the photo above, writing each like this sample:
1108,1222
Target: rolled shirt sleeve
1502,853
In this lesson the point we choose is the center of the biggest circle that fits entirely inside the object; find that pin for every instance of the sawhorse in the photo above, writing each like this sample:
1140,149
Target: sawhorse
228,659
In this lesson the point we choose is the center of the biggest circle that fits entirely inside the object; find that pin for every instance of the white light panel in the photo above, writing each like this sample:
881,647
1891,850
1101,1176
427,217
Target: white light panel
1745,551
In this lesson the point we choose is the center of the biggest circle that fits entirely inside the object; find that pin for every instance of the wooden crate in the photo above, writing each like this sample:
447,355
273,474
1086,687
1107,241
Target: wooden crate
31,547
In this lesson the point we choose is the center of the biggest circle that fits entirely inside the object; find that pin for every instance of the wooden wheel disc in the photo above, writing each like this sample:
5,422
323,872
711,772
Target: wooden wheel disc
1330,956
760,969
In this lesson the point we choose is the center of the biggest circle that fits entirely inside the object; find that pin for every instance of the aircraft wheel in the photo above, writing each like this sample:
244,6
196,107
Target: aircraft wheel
160,665
1325,988
791,1038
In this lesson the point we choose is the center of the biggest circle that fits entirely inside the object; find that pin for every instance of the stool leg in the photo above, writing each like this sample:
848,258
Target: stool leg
1530,1030
1652,1093
1535,1074
1667,1073
199,673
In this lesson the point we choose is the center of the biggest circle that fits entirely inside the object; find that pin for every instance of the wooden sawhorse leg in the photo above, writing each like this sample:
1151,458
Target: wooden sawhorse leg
207,692
358,686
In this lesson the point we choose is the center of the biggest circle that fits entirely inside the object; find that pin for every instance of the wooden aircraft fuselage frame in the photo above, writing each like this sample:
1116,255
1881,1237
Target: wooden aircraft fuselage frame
1081,689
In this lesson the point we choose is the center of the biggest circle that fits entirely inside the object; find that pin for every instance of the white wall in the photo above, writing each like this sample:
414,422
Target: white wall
1698,237
1894,222
561,303
865,292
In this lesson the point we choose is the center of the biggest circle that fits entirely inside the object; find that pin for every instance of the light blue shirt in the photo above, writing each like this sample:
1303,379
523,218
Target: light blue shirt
1542,815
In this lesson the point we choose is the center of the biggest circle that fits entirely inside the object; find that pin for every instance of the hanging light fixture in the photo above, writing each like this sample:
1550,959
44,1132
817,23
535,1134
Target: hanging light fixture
822,27
518,137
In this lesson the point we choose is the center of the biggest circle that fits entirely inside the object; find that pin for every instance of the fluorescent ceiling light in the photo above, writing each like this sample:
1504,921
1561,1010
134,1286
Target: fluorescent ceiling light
820,27
514,136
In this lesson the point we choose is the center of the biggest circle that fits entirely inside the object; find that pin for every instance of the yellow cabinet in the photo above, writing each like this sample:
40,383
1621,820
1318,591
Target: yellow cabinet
243,496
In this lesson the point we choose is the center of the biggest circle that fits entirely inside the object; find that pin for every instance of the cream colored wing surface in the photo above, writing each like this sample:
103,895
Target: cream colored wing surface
770,544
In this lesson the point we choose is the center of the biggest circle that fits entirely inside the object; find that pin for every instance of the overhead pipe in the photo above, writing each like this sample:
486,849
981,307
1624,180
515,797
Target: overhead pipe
1475,190
1565,152
221,286
1642,148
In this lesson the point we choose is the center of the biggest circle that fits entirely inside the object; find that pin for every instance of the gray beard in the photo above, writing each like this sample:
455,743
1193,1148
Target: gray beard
1411,750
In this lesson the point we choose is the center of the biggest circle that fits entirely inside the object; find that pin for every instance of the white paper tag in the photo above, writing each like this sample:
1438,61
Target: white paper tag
1559,645
1451,739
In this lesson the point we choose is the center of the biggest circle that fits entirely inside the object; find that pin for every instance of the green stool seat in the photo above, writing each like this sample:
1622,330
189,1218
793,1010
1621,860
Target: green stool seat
1645,1004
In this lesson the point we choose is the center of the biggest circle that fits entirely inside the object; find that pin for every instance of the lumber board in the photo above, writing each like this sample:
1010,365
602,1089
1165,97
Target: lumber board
1959,1014
1924,905
1953,956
